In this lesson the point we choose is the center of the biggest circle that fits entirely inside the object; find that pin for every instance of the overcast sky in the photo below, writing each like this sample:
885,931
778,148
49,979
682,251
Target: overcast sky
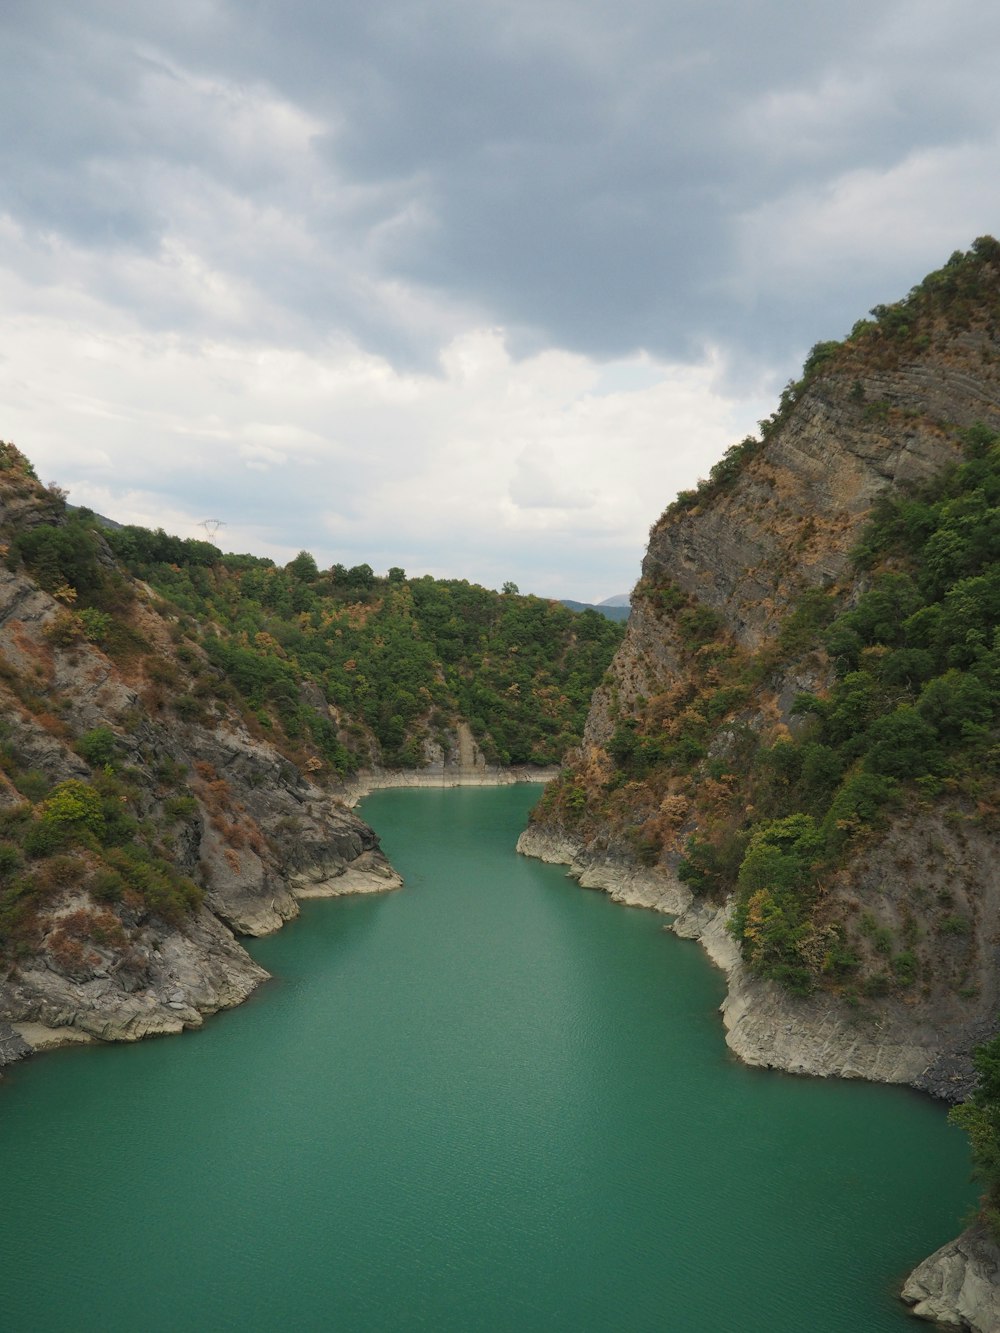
469,288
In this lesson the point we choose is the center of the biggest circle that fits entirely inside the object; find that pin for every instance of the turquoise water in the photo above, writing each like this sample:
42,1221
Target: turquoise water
491,1101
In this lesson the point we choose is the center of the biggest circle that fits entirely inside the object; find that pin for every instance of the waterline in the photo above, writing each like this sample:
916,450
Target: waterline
491,1101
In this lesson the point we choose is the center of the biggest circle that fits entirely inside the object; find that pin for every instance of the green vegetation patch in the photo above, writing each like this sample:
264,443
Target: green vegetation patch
980,1118
331,657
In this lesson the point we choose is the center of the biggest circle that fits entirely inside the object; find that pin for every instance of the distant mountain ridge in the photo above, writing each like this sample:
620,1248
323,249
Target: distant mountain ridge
612,609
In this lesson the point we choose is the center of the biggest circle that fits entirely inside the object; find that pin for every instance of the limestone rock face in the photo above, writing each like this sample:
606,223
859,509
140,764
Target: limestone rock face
12,1045
631,885
795,511
959,1285
797,508
183,975
229,811
778,519
785,522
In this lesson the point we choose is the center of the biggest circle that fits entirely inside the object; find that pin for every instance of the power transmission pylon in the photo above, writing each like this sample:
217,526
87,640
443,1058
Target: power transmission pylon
211,526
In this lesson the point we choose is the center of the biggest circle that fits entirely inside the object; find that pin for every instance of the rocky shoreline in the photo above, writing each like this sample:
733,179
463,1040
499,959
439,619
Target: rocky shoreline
190,974
203,968
441,776
819,1036
765,1025
959,1285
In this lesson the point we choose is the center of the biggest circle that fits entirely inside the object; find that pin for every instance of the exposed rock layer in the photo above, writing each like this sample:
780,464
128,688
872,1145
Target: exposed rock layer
765,1026
959,1285
232,813
878,416
442,775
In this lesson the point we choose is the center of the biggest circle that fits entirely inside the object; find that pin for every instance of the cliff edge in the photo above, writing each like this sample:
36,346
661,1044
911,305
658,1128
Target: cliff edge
794,749
141,823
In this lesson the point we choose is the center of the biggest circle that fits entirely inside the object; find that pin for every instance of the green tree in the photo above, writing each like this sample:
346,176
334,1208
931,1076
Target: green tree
980,1118
303,568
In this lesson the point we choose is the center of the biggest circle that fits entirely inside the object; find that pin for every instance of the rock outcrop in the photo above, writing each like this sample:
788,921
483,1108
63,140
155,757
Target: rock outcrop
718,650
959,1285
105,939
174,979
871,416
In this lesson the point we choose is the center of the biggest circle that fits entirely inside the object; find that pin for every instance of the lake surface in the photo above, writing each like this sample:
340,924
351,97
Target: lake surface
491,1101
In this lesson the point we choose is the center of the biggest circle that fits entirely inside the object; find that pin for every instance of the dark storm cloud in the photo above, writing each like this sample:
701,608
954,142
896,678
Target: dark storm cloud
601,177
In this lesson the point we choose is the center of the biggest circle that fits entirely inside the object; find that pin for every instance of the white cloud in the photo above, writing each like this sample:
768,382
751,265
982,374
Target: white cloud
931,202
381,288
541,481
474,471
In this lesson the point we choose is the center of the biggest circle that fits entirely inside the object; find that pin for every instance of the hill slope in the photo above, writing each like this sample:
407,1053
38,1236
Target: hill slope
807,729
176,729
357,670
134,836
796,747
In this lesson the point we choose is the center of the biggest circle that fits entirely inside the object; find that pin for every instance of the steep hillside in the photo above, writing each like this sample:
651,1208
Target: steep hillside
350,670
137,832
801,722
796,747
177,727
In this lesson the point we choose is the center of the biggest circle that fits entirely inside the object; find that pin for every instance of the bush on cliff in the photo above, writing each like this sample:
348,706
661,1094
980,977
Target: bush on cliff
980,1118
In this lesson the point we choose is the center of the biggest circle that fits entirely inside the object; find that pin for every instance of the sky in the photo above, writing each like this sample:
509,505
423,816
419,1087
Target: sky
471,289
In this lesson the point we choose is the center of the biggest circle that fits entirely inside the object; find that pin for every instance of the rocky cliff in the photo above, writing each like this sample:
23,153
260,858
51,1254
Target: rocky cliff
850,890
138,832
720,647
959,1285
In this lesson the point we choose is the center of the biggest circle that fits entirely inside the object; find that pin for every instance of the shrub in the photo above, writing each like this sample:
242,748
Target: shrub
179,808
710,866
980,1118
10,859
904,965
902,744
107,886
75,808
44,839
31,784
800,630
156,884
955,925
97,747
781,853
857,805
188,708
96,626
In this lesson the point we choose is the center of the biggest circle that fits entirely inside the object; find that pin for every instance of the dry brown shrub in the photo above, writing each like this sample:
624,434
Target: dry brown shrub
69,955
234,834
154,697
255,837
59,872
217,795
714,794
54,725
674,810
102,927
